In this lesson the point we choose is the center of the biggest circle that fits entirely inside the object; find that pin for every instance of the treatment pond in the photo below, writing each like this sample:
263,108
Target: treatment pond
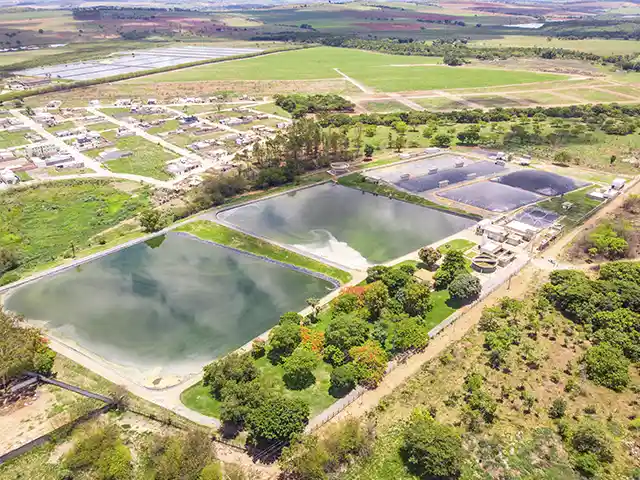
165,307
344,225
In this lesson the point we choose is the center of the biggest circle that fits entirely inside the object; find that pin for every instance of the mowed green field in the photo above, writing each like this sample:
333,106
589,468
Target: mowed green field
388,73
599,46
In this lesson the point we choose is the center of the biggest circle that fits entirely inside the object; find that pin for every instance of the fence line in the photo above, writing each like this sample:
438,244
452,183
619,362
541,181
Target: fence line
337,407
55,433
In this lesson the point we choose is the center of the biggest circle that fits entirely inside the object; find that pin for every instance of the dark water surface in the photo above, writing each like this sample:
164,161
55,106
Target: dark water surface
344,225
171,304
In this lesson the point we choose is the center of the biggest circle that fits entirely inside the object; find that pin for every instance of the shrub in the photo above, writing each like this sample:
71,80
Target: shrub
298,369
587,464
283,340
278,419
590,437
606,365
343,380
409,333
9,260
258,348
429,256
213,471
235,367
465,287
431,450
557,408
152,220
333,355
290,317
369,363
345,304
305,459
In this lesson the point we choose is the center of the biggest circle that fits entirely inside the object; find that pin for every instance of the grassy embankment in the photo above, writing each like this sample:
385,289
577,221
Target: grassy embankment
356,180
44,224
226,236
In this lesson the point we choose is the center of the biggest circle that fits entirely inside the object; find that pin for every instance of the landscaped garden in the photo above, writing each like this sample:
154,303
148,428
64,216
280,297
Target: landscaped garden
309,362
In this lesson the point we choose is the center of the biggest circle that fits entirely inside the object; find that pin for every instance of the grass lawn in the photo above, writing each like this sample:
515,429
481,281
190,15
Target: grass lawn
227,236
381,71
41,222
23,176
12,139
148,159
596,95
167,126
101,127
273,109
457,244
581,206
442,307
440,103
356,180
383,106
198,398
61,126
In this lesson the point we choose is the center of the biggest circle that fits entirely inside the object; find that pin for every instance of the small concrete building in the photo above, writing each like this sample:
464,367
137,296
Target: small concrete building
521,229
618,183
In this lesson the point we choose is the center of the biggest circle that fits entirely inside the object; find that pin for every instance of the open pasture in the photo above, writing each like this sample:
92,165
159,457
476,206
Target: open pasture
591,45
391,73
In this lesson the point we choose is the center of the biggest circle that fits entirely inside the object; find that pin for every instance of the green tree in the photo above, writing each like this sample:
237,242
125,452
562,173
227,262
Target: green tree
152,220
368,150
469,136
278,419
345,304
239,399
9,260
465,287
299,367
415,298
343,380
400,142
429,256
452,59
346,332
409,333
452,265
21,349
430,450
369,363
235,367
606,365
290,317
442,140
375,298
400,127
283,340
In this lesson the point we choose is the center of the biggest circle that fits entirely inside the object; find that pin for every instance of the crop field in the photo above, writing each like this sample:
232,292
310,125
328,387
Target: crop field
591,45
439,103
591,95
383,72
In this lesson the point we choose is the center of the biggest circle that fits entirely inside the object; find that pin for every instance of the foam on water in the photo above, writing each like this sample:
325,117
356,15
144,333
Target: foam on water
325,245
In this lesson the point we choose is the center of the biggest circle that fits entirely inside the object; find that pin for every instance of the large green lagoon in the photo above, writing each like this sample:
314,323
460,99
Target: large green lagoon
345,225
168,305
